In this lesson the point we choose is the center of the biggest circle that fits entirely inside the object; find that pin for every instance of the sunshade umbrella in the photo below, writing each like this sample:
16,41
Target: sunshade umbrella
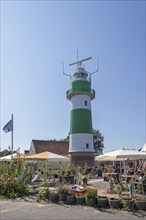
19,156
7,158
47,155
121,154
143,149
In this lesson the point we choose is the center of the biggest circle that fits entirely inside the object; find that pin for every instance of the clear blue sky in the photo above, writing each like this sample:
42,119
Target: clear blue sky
37,36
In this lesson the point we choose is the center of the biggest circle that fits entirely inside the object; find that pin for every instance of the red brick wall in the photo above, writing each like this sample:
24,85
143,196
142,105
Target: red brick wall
56,147
82,159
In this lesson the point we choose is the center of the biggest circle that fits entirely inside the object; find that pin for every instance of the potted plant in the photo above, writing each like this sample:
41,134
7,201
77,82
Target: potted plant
70,198
102,201
53,196
62,191
140,202
43,194
127,203
115,203
80,199
90,197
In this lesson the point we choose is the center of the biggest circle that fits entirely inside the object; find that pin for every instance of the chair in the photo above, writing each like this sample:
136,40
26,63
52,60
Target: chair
35,176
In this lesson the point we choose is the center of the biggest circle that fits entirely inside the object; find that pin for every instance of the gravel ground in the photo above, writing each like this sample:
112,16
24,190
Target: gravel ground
29,209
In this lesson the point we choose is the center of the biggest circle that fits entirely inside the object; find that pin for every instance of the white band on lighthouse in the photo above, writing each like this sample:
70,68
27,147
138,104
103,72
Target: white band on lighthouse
81,101
81,143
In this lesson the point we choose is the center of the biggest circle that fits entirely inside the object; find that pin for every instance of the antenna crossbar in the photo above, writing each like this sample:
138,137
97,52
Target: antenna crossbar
80,61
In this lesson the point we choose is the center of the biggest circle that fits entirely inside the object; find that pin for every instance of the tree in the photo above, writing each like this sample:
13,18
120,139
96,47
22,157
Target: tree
98,140
6,152
54,139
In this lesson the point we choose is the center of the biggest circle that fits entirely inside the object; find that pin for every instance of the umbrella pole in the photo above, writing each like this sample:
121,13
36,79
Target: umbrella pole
120,166
124,165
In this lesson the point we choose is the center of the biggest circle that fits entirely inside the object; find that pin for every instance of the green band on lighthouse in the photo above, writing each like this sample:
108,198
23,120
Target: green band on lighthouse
80,121
81,86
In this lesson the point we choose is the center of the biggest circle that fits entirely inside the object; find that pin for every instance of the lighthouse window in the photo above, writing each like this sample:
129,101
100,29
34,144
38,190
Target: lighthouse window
86,103
87,145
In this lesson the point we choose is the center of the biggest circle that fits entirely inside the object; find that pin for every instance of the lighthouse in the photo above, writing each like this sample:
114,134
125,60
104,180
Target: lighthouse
80,94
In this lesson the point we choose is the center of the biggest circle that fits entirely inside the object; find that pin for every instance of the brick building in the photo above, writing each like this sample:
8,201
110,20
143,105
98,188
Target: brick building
56,147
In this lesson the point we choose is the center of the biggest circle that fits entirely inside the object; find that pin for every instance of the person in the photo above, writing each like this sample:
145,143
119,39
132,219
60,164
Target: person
84,179
99,172
36,176
79,178
68,172
116,172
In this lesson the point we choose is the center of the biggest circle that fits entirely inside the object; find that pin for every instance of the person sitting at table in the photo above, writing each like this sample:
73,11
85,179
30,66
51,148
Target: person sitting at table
130,171
137,176
116,176
118,169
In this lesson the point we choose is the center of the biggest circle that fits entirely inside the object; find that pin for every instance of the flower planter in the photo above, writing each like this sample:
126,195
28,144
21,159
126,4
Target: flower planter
140,204
90,201
115,203
69,179
129,203
102,201
70,199
62,196
80,200
53,197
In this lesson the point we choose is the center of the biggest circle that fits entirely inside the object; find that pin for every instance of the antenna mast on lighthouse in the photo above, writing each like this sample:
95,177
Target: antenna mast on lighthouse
79,62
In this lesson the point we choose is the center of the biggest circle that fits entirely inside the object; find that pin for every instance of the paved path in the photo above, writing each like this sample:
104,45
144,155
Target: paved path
29,210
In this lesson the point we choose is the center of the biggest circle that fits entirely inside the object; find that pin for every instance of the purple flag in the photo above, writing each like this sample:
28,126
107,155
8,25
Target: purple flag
8,127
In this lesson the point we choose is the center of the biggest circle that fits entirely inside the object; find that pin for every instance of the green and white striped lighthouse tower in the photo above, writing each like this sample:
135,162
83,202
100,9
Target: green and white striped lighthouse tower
80,94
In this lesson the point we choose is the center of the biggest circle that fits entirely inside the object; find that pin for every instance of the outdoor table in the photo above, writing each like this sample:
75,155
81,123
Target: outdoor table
112,174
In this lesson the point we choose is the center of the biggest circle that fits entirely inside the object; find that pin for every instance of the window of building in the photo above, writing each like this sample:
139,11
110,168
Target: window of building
87,145
85,102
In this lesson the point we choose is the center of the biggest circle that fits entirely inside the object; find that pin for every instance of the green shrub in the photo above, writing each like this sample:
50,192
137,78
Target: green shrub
11,185
44,194
91,193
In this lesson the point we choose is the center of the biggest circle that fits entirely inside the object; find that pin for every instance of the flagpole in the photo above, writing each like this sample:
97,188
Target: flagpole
12,138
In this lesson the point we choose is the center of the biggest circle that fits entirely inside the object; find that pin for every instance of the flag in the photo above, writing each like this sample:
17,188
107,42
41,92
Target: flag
8,127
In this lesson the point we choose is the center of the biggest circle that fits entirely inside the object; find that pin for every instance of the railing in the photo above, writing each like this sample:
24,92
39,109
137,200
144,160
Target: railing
82,150
70,93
